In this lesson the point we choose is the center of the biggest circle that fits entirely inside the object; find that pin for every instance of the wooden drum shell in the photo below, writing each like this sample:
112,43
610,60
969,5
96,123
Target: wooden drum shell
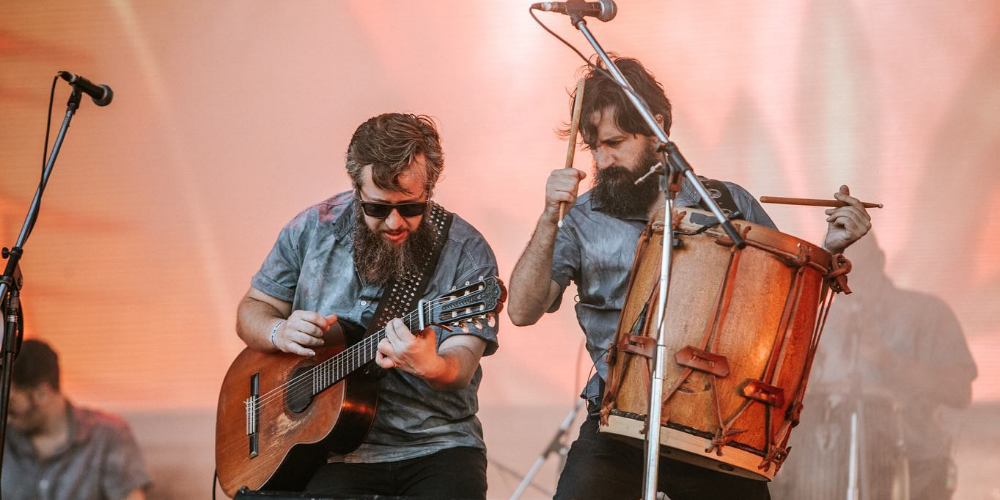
757,307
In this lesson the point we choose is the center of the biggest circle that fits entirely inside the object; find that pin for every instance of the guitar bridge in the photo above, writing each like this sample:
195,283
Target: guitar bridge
253,412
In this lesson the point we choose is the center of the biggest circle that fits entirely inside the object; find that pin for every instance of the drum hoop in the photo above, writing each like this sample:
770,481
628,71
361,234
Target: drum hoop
760,236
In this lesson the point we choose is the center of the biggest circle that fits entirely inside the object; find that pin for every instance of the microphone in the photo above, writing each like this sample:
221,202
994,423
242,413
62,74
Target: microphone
101,94
603,10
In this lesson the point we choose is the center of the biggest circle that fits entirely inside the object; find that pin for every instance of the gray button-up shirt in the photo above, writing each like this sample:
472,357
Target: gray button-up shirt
596,251
312,266
100,461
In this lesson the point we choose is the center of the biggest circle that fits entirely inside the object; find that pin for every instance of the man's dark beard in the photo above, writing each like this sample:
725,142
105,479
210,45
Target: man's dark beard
616,193
377,260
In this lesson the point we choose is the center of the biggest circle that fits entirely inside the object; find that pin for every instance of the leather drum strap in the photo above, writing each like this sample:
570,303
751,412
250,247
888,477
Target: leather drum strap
720,193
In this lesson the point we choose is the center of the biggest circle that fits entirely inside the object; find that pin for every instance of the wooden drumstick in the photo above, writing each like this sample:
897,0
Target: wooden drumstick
574,127
810,202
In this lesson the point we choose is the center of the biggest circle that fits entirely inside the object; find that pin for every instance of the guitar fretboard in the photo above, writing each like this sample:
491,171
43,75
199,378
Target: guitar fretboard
333,370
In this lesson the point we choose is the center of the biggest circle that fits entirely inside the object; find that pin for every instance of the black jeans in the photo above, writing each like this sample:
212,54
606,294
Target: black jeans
454,473
600,467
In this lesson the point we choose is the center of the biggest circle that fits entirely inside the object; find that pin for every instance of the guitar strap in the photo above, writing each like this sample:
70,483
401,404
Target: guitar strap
402,293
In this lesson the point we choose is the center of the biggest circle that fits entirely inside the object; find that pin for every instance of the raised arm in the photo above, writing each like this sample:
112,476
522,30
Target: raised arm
846,224
532,289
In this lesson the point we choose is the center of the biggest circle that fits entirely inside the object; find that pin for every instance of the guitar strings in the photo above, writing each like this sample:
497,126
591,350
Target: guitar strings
303,383
343,360
339,360
336,368
296,383
338,363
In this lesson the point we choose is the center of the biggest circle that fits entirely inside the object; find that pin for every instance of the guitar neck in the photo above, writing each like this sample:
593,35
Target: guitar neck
331,371
461,306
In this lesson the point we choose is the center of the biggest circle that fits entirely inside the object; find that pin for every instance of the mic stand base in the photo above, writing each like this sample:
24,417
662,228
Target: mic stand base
555,446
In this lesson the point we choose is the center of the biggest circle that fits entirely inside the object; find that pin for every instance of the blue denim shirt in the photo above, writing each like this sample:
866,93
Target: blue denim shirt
596,251
312,266
100,461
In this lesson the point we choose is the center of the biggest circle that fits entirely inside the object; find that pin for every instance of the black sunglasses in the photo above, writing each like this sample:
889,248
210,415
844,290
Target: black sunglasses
382,210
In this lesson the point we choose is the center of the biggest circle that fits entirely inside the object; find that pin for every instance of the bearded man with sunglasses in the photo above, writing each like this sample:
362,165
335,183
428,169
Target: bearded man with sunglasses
332,262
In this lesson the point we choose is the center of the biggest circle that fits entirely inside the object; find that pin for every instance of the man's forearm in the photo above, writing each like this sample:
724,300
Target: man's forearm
530,283
457,365
254,321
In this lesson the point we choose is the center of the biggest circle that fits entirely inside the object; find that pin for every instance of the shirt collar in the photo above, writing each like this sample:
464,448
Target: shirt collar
345,223
78,430
79,427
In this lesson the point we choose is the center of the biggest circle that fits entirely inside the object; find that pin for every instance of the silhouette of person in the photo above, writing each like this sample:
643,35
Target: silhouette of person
893,359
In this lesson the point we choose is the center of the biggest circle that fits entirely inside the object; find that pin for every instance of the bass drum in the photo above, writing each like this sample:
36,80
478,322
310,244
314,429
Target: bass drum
849,445
742,326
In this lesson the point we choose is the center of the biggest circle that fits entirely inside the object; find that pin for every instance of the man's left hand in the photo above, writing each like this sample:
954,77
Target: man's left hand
416,354
847,224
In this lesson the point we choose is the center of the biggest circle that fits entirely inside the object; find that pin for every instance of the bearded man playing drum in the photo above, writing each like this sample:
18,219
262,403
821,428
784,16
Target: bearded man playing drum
596,247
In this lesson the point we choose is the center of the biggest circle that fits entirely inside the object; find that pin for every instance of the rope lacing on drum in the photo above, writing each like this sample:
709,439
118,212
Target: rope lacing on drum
838,274
723,437
776,455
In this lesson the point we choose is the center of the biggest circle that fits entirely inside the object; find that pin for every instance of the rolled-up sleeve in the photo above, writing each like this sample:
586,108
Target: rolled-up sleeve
279,274
475,262
565,260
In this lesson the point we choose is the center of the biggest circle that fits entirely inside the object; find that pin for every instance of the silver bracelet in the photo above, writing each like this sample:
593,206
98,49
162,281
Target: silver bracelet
274,332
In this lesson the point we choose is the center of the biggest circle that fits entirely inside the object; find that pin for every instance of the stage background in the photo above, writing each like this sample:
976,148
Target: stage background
229,117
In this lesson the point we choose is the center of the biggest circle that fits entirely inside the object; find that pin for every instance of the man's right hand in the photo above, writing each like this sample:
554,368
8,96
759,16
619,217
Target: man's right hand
562,186
302,330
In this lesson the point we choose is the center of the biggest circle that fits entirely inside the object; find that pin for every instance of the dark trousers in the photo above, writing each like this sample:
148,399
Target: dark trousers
454,473
600,467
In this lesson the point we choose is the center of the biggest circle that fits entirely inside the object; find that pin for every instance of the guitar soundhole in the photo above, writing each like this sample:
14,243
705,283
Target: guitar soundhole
299,398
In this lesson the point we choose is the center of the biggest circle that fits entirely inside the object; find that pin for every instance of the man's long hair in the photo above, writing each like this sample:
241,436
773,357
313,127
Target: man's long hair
389,143
603,94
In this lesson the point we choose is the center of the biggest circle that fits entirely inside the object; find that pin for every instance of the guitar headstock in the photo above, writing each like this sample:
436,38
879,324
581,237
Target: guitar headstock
474,303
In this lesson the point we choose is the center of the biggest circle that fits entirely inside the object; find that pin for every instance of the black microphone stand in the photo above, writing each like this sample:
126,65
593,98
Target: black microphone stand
675,167
11,281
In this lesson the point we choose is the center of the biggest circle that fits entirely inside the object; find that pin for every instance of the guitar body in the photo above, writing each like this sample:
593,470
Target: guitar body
294,430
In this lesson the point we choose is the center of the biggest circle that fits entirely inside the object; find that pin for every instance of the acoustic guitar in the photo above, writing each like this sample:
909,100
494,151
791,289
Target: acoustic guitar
280,414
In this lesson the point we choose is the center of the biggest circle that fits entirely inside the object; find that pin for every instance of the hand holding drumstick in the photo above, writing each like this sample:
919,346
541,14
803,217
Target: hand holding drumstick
812,202
574,127
847,218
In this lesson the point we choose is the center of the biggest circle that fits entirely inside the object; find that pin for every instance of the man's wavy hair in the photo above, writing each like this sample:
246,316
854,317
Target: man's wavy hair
389,143
36,364
603,94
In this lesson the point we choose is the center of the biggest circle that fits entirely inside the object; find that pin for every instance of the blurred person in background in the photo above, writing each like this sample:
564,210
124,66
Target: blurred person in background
57,451
898,361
